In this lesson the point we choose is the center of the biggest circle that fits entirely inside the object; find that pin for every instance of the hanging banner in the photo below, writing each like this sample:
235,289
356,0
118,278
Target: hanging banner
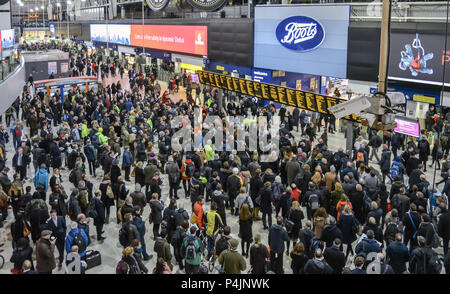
292,97
207,5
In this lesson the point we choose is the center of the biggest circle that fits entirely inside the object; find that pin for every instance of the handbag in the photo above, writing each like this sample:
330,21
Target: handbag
93,258
26,231
258,200
164,257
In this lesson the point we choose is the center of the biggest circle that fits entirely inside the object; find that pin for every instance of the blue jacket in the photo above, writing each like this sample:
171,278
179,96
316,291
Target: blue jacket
140,225
277,237
370,245
358,271
128,105
398,255
126,161
41,177
347,170
69,240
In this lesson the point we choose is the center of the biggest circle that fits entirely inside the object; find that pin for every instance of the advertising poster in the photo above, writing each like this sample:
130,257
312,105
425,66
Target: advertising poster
64,67
7,39
419,57
184,39
118,34
52,30
52,68
302,39
298,84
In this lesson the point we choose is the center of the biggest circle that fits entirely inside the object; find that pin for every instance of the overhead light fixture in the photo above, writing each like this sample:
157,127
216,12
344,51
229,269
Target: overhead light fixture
21,4
31,10
36,8
42,7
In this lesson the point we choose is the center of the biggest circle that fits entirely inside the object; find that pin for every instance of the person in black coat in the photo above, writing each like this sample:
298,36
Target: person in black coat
245,228
258,256
99,219
107,202
38,216
57,224
330,232
23,252
266,204
298,258
157,208
139,174
335,257
385,163
398,254
115,171
348,225
444,227
17,229
424,151
409,233
295,215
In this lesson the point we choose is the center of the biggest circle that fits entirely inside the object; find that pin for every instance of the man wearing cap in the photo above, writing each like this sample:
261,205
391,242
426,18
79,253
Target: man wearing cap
232,261
45,258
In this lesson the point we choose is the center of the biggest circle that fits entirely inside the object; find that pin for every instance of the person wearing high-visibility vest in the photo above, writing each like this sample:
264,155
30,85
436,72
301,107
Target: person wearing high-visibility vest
101,138
84,130
209,152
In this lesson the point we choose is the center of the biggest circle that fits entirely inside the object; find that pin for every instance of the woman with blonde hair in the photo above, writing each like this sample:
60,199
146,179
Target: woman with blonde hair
349,226
245,228
320,220
341,204
258,256
130,260
295,216
336,195
316,178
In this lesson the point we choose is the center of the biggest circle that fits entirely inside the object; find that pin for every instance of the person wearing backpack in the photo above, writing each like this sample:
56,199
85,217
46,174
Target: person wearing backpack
173,172
191,250
411,220
397,169
243,198
393,226
312,200
317,265
187,172
213,225
128,232
176,241
41,177
424,260
444,227
232,262
277,192
424,151
78,237
385,163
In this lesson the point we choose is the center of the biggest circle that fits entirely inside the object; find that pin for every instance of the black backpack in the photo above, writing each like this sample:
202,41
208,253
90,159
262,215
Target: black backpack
124,235
313,201
79,241
396,202
72,177
191,252
221,245
391,230
432,263
189,171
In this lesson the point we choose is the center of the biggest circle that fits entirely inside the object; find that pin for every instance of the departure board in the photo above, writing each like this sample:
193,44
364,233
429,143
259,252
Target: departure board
321,104
292,97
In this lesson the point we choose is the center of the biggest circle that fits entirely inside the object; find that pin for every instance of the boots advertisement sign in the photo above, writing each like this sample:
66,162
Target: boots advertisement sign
419,58
309,39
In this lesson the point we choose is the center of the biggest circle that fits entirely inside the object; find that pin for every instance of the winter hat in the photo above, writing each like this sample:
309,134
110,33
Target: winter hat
235,171
234,244
277,179
46,233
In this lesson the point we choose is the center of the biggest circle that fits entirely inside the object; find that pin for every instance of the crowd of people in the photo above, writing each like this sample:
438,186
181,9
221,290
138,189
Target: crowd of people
336,207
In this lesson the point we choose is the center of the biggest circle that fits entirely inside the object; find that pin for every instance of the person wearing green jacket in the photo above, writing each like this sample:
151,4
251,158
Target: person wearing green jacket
209,152
232,262
84,130
191,251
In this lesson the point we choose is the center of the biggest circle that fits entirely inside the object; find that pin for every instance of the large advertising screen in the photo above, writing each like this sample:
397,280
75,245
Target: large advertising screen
7,39
118,34
419,57
292,97
184,39
304,39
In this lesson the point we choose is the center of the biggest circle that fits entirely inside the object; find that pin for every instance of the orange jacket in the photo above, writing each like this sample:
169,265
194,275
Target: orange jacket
198,210
339,207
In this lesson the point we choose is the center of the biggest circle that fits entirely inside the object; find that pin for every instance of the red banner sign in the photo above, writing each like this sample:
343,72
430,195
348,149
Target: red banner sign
183,39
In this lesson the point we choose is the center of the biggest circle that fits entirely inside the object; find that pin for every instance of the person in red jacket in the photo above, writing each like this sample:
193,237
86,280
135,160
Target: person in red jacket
198,211
187,171
295,192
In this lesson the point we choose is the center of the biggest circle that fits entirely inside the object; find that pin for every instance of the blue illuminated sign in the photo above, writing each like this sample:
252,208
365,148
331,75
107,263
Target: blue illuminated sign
300,33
